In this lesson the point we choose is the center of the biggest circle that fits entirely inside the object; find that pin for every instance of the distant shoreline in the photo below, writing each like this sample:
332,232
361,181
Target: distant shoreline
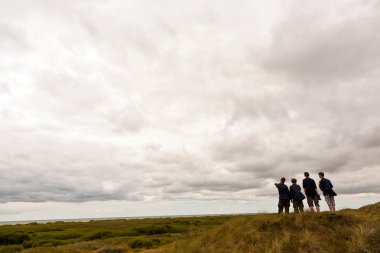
24,222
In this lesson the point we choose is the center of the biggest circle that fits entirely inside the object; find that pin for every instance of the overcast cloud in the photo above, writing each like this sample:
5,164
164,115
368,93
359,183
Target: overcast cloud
186,100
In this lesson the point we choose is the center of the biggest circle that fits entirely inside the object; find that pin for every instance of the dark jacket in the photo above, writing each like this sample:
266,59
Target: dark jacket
283,191
310,187
295,192
326,187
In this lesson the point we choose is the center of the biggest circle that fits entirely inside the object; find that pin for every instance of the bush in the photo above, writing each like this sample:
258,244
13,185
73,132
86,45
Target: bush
99,235
111,250
143,243
157,230
27,244
10,249
46,243
13,238
47,229
61,236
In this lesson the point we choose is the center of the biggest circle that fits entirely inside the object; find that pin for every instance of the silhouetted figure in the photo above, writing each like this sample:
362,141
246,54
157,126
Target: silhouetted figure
311,192
327,188
297,196
284,196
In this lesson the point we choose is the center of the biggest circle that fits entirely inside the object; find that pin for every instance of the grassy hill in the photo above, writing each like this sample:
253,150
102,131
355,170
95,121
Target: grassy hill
348,231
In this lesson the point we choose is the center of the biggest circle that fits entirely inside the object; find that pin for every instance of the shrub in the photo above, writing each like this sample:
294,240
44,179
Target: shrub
99,235
46,243
13,238
27,244
10,249
47,229
61,236
111,250
158,229
143,243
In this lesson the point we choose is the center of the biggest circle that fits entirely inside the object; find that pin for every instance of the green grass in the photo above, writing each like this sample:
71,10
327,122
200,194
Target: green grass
103,236
352,231
356,231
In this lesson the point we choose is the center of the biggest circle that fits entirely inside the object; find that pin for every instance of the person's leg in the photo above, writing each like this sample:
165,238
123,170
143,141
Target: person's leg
330,207
329,203
310,203
301,206
280,206
333,204
287,205
295,206
316,202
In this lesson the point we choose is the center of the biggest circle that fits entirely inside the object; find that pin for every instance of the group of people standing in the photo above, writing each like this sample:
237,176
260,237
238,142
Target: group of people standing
294,194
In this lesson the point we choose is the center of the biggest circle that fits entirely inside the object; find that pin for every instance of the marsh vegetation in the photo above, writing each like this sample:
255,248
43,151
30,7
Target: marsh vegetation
348,231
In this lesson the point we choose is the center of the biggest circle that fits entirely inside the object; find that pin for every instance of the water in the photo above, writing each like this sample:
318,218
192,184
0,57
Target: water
109,218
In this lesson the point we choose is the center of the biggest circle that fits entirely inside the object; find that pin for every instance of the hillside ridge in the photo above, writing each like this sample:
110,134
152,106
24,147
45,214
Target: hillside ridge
354,230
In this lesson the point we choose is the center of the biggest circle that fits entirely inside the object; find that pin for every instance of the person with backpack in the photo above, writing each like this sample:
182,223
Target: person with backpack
327,188
284,196
311,192
297,196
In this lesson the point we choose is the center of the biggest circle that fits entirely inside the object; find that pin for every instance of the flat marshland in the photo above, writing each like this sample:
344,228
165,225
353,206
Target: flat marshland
347,231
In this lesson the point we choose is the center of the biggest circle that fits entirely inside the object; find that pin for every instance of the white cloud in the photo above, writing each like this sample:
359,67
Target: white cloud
179,100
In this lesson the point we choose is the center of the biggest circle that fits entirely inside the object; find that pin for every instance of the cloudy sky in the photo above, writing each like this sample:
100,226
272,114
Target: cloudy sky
144,107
